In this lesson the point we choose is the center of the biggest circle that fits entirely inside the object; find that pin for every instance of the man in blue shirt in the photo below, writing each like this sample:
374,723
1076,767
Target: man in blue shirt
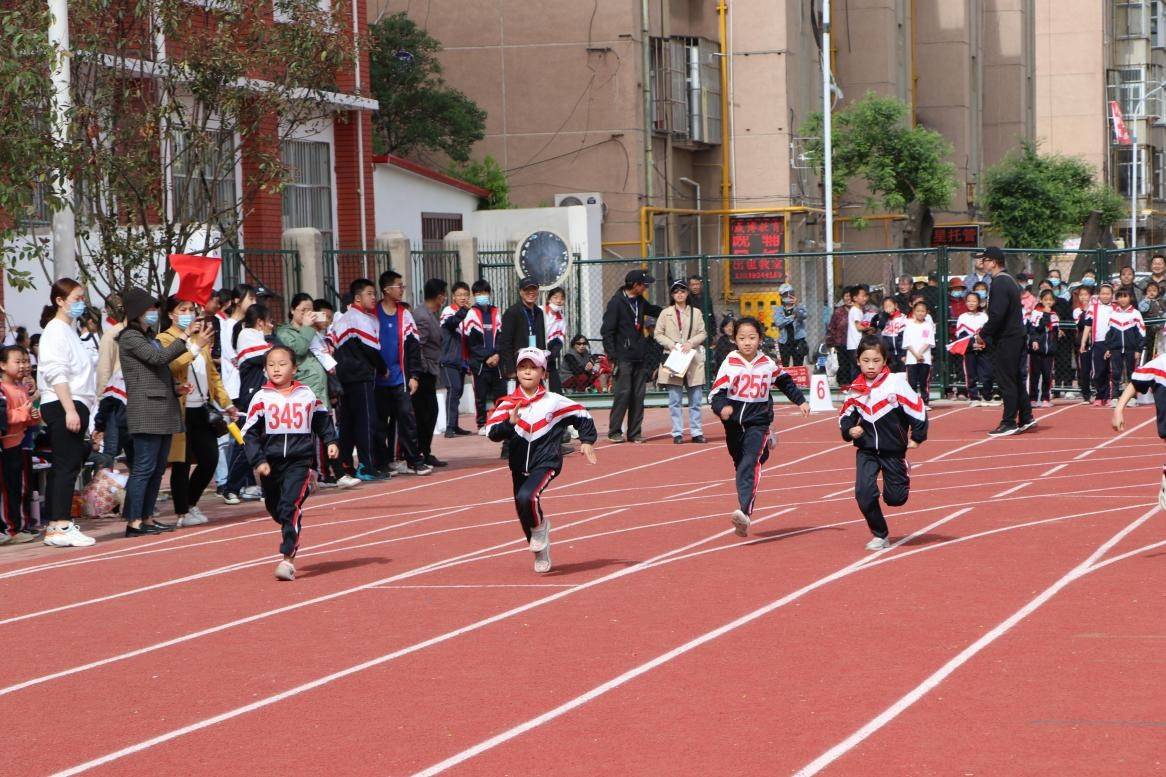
400,348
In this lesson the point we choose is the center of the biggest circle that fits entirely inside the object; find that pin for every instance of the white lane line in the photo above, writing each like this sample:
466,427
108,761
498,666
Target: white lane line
305,687
680,650
1002,628
468,585
954,451
1012,490
1054,470
1124,556
1105,444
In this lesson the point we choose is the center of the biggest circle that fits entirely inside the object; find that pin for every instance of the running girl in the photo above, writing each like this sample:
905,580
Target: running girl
1148,377
883,416
741,398
284,421
533,419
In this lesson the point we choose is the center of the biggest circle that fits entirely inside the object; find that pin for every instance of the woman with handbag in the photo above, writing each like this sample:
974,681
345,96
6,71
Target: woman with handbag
680,331
205,423
153,414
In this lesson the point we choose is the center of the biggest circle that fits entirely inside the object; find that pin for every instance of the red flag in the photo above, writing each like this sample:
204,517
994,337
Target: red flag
196,276
960,346
1121,135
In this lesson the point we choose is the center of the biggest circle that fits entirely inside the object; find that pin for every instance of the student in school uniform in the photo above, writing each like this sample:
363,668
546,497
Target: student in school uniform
918,342
889,323
1097,328
1043,326
1083,297
977,366
481,328
1125,339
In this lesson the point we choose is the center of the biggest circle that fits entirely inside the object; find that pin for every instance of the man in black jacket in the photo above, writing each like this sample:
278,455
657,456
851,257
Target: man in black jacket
522,326
625,345
1004,334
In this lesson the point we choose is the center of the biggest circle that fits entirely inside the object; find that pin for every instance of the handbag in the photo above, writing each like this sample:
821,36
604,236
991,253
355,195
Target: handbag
214,417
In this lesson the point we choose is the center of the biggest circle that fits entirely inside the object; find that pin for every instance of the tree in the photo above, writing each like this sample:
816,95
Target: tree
904,167
1037,200
156,135
418,111
489,175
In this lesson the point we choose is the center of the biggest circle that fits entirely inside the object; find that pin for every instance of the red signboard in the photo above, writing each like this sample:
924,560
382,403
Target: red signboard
756,237
962,236
801,376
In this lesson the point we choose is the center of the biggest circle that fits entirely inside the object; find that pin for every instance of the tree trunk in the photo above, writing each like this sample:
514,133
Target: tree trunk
1093,236
917,234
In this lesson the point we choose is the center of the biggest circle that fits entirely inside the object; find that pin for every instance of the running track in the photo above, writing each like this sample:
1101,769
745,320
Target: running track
1014,628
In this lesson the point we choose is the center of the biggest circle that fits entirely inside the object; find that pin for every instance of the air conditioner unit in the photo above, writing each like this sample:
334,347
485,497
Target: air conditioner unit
590,199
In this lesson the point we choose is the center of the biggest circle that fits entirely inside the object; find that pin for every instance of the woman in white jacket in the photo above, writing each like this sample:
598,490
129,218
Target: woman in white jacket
681,327
68,386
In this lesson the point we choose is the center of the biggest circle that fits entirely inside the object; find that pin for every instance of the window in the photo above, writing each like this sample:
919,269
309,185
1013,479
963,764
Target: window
307,198
434,228
686,89
203,176
1123,168
1131,19
1158,24
1130,85
1159,175
283,11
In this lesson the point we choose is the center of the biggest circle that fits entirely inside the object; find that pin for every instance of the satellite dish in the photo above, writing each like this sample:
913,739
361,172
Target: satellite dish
544,256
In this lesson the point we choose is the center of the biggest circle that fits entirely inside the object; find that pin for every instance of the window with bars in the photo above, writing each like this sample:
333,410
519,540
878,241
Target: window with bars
686,89
307,197
1158,24
1124,169
1129,85
1131,19
1159,175
202,173
434,228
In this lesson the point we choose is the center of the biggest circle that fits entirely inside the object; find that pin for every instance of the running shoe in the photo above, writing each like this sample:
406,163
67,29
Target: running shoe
542,560
285,570
193,517
251,493
347,481
421,469
22,537
68,537
1004,430
231,498
1161,494
541,536
363,474
481,431
1030,423
878,543
399,468
741,523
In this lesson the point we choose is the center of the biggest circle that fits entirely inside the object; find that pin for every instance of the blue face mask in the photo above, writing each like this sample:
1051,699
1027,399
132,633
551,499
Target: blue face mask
185,320
1088,282
76,309
1054,282
482,299
957,295
151,318
983,295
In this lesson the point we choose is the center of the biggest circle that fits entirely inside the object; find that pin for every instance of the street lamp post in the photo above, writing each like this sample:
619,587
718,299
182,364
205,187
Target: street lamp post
828,153
1134,169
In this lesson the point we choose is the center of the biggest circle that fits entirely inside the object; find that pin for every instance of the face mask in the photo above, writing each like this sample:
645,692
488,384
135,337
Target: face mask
151,318
76,309
983,295
1055,282
957,295
482,299
1089,282
556,308
185,320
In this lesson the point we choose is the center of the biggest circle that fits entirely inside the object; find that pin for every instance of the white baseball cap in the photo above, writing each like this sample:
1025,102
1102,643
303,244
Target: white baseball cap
535,356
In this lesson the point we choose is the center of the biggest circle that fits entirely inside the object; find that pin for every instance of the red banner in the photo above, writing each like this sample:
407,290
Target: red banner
962,235
1121,135
801,376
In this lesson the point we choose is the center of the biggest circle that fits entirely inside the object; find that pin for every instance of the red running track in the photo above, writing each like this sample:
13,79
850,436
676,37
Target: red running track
994,638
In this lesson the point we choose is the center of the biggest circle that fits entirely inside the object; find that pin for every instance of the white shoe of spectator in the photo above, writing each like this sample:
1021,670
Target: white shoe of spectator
251,493
347,481
194,517
541,536
68,537
420,469
399,468
878,543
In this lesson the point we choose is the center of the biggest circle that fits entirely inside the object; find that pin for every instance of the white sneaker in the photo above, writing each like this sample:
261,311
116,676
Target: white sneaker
420,469
68,537
399,468
482,432
542,560
251,493
573,432
741,523
347,481
231,498
541,536
1162,494
878,543
285,570
192,518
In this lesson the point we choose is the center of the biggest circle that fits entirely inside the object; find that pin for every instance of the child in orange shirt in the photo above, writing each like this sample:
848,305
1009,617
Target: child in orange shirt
15,461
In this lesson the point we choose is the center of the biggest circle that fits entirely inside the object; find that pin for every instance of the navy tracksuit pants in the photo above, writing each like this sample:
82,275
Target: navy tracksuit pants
528,491
284,491
749,451
896,486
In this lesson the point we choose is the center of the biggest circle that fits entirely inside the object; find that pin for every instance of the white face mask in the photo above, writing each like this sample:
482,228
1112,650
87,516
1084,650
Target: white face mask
556,308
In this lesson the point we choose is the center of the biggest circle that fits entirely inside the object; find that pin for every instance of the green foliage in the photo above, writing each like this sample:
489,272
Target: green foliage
1036,200
489,175
418,111
900,164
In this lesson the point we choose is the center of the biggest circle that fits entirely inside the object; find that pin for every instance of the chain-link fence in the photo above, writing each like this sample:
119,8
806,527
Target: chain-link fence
790,295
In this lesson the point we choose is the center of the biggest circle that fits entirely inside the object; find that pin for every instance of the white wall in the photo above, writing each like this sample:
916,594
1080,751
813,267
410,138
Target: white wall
502,226
402,196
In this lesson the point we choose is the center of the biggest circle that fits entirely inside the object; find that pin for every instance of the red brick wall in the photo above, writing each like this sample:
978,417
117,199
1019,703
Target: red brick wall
348,163
263,209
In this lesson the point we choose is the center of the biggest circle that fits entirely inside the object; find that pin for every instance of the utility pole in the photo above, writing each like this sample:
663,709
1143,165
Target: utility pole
828,151
63,225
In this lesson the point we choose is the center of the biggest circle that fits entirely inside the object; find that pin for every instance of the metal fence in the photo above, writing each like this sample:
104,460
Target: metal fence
278,270
343,266
433,263
733,286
